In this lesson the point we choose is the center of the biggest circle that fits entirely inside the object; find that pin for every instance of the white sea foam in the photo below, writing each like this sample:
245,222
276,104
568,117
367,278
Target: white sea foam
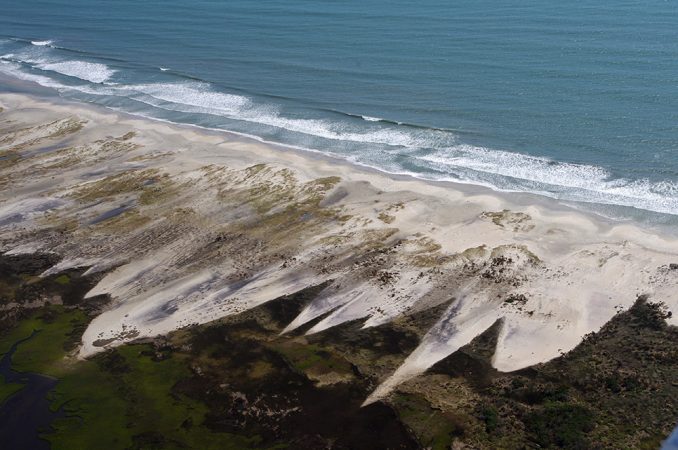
14,70
42,43
578,182
200,98
164,69
43,57
517,165
192,97
335,130
494,168
88,71
503,170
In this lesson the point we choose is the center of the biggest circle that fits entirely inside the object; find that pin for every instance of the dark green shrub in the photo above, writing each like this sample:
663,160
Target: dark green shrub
560,425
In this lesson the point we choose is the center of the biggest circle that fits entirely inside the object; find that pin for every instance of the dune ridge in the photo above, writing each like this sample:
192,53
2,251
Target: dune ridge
192,226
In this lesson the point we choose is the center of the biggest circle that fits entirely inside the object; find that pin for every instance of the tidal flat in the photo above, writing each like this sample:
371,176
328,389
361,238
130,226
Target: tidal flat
195,289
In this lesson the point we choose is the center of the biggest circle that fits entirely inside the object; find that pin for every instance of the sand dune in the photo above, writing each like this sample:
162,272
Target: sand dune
192,225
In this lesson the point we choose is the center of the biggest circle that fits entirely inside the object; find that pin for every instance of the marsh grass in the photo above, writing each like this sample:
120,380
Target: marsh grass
120,399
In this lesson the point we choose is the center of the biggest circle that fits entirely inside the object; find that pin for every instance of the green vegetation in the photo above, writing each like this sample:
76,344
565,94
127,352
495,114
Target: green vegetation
320,364
63,279
591,397
234,384
7,389
434,428
120,399
45,353
490,417
560,425
310,357
125,399
237,383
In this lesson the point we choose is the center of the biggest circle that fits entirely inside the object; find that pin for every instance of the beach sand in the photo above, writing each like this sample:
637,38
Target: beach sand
192,225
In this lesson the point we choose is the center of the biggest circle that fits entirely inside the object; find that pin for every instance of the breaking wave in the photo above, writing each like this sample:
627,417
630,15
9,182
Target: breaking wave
92,72
423,152
42,43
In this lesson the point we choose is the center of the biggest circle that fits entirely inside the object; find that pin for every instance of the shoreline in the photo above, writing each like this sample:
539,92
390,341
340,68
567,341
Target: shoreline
650,221
197,225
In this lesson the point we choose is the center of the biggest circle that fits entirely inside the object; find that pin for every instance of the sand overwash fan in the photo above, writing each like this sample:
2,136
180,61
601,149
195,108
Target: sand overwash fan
190,226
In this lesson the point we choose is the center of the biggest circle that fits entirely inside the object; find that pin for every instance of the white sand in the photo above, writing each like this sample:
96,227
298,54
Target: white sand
216,236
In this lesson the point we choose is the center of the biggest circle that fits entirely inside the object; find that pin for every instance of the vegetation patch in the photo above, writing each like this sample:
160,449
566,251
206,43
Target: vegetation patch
560,425
317,363
110,186
238,383
435,429
515,221
228,385
8,389
587,398
63,279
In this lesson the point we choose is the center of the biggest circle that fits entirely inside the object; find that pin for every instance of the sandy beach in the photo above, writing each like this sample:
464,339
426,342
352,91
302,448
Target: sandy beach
193,225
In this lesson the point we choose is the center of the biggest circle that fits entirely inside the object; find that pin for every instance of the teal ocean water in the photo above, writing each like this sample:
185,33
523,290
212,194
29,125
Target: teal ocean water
572,100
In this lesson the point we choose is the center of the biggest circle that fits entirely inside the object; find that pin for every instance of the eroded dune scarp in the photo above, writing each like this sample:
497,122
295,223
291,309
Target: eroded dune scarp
191,226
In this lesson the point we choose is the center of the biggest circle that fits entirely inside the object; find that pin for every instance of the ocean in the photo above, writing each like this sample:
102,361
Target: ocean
576,101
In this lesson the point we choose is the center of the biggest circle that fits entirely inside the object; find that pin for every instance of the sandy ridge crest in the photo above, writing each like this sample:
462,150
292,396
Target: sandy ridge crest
192,226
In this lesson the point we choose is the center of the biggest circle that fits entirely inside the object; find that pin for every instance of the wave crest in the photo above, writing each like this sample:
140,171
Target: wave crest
47,43
87,71
380,143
